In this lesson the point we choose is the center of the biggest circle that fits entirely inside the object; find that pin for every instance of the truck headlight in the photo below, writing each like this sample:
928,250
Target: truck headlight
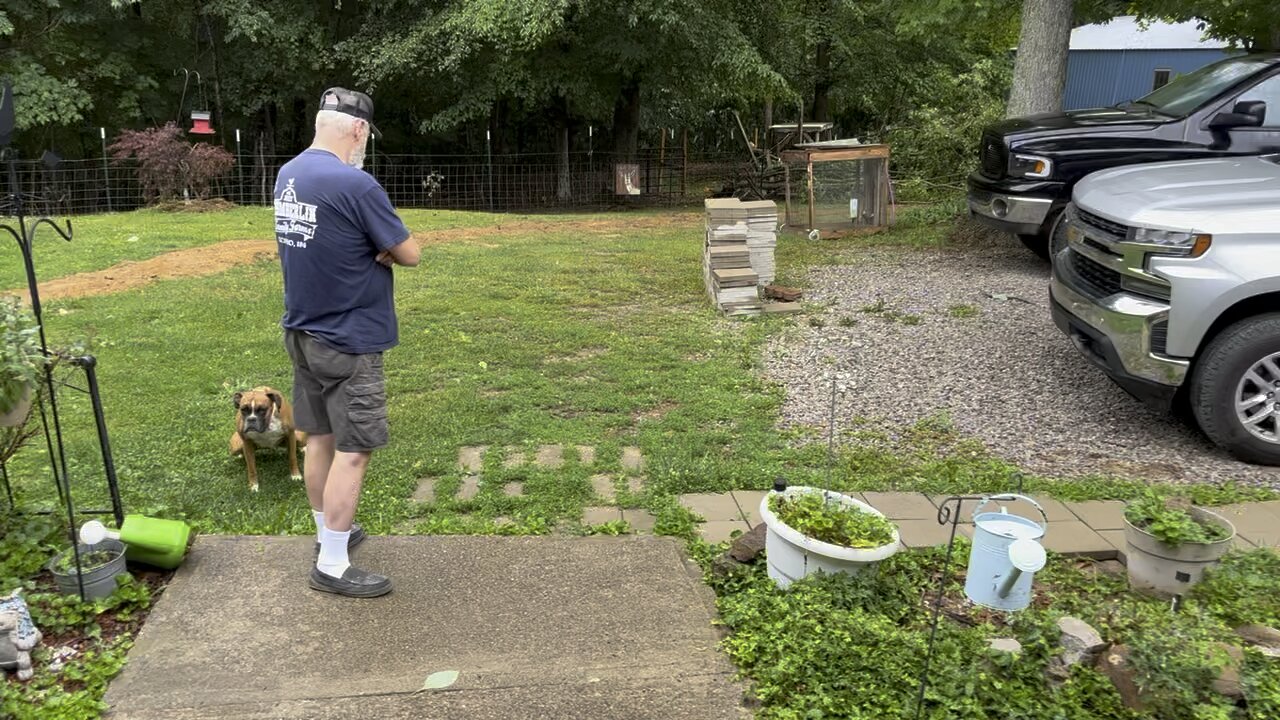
1173,242
1030,166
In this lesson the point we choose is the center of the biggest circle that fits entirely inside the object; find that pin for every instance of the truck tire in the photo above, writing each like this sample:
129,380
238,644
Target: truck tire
1235,388
1043,242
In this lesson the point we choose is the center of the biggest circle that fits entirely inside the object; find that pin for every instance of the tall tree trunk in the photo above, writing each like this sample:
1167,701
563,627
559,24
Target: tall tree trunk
563,188
1040,69
822,85
626,120
768,119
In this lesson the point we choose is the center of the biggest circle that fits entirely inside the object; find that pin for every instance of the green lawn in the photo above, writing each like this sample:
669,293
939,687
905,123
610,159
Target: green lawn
597,337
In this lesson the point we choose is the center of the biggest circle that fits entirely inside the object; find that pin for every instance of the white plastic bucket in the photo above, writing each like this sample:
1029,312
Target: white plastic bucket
790,555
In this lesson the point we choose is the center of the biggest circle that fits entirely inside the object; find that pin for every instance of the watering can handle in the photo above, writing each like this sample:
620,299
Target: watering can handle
1012,496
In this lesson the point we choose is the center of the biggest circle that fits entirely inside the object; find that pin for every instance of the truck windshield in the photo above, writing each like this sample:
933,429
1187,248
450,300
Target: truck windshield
1188,92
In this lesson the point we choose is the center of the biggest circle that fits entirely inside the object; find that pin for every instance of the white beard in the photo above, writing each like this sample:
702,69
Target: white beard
357,158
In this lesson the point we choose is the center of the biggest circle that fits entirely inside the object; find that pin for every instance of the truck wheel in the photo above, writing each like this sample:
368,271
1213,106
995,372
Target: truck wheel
1235,390
1043,242
1038,244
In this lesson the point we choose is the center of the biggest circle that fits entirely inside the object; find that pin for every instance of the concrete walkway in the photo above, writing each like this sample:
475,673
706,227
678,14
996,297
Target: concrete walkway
1083,529
546,627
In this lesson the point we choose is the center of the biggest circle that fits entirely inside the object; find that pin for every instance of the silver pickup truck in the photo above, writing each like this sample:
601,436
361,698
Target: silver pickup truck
1167,276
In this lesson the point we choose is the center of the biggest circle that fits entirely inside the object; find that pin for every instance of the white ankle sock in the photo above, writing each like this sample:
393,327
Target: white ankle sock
333,552
319,516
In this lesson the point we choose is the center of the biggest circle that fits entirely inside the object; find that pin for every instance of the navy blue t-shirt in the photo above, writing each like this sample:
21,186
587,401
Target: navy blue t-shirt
331,222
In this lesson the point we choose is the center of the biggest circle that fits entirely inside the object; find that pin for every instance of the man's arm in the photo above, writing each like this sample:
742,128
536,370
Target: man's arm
405,253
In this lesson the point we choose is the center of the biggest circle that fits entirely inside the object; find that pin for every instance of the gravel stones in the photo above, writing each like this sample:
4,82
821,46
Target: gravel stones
966,332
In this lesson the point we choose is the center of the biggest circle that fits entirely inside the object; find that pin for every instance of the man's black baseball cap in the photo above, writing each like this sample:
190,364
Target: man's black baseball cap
350,102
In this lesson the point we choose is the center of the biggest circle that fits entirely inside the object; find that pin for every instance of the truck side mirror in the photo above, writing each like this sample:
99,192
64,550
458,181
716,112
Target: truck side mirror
1247,113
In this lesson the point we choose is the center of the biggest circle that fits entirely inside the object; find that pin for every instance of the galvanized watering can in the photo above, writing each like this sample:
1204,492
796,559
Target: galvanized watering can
1005,556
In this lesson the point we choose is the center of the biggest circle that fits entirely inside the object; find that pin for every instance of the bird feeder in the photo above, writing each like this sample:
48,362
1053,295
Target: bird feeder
1005,556
201,120
200,123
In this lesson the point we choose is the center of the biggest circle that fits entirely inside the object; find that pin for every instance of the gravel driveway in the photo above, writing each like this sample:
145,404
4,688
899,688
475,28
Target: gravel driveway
918,332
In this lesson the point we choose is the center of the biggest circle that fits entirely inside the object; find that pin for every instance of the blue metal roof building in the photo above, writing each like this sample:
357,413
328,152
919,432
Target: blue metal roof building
1121,60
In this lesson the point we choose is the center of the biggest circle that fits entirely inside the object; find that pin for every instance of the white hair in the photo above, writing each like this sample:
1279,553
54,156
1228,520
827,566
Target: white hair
336,123
341,122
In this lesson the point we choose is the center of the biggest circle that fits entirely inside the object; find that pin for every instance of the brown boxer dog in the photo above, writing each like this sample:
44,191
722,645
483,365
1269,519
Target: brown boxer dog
264,419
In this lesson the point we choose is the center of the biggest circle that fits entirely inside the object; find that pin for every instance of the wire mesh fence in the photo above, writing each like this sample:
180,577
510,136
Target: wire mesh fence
499,183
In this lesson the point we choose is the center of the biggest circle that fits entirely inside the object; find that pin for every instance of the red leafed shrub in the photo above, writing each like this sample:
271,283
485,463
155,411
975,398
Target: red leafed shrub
168,164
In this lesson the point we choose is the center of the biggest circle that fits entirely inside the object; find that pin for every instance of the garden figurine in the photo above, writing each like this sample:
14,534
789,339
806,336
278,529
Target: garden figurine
17,630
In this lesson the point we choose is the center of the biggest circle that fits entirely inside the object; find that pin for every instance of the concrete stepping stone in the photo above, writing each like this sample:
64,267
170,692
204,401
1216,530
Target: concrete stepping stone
551,456
471,459
749,504
1100,514
425,492
718,531
640,520
918,533
1257,523
1054,510
632,460
515,458
903,506
714,507
469,488
1079,540
603,487
600,515
635,485
586,455
513,489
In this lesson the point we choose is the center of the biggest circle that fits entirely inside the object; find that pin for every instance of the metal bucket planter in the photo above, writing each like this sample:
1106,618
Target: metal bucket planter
1172,569
99,582
791,555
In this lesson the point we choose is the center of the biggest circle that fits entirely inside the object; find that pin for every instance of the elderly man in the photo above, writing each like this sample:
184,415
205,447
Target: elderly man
338,238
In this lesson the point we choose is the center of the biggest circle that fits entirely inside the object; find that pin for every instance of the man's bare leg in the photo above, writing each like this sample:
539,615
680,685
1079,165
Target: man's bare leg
342,489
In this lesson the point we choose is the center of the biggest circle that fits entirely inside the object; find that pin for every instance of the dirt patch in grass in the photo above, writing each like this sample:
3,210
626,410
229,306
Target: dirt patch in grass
192,262
211,259
196,206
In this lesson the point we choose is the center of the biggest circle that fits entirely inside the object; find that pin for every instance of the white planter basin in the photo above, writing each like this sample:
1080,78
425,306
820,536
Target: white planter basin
791,555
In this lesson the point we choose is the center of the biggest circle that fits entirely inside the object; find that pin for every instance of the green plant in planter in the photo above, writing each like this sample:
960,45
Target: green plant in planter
1170,522
88,561
21,359
813,515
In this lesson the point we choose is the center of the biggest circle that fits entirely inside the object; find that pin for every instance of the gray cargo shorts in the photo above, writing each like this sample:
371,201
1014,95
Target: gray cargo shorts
339,393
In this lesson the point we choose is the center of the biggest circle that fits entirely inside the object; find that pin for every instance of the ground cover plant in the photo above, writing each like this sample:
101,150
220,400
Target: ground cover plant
852,646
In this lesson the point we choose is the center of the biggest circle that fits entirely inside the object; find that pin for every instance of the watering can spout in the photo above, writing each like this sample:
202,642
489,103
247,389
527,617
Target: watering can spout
94,532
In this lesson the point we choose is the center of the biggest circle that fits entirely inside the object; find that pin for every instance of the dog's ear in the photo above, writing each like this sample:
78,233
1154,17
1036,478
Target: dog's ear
235,399
276,398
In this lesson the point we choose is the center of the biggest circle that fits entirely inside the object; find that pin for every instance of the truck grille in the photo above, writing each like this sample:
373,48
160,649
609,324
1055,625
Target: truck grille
1159,337
1113,229
992,155
1096,279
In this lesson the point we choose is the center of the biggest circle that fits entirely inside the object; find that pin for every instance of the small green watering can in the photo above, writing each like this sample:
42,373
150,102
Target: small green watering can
161,543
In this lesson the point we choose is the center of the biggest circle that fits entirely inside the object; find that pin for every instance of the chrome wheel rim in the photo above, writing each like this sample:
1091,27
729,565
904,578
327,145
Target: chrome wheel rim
1256,396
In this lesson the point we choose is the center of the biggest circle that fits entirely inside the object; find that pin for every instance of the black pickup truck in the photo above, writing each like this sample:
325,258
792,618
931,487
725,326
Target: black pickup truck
1029,165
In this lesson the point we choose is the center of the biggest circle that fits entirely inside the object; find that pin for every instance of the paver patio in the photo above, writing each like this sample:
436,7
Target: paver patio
1093,529
536,627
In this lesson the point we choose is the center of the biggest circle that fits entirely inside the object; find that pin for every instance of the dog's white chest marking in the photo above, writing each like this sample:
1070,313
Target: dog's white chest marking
271,436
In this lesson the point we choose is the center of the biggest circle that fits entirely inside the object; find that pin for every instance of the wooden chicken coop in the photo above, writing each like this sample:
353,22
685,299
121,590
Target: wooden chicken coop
838,185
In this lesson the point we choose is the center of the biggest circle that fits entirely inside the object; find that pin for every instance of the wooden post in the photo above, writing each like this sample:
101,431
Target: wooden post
684,167
809,157
662,155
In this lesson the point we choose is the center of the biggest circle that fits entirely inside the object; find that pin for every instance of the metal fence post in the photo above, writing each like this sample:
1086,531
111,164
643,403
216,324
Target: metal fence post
106,173
239,171
488,155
